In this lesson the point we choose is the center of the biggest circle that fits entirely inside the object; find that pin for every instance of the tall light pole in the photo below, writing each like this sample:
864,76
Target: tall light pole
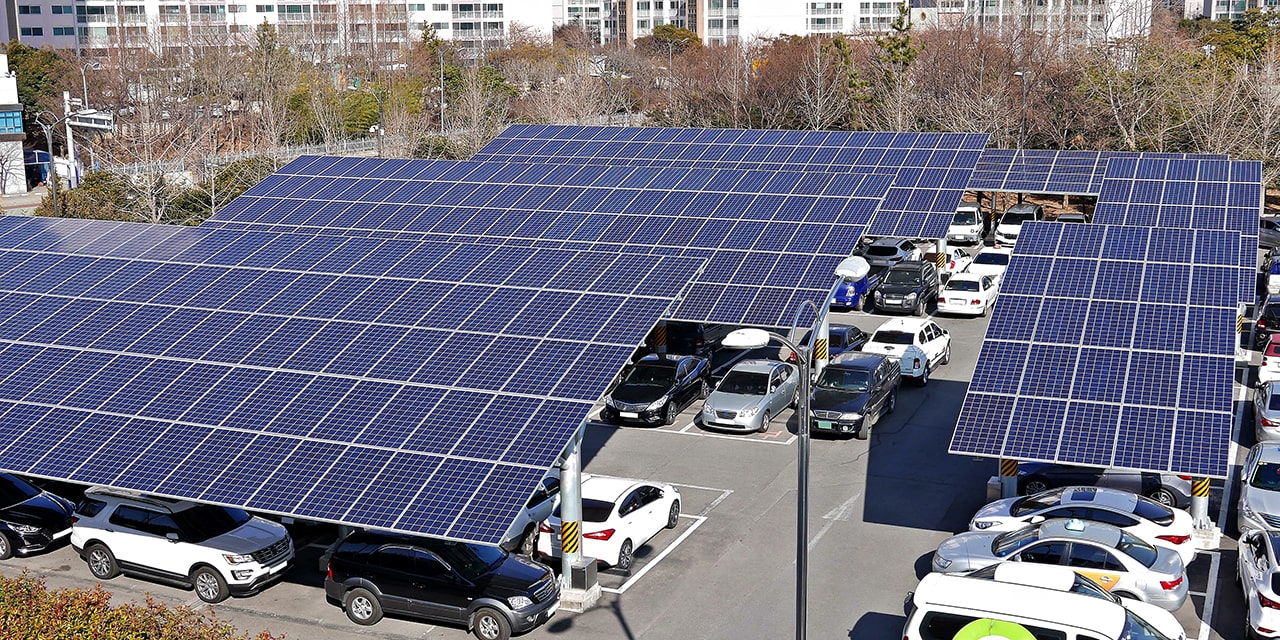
849,268
377,95
1022,120
84,82
48,138
442,102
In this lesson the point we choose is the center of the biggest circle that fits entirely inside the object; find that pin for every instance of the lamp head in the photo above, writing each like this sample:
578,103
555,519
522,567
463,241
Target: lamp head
745,339
852,268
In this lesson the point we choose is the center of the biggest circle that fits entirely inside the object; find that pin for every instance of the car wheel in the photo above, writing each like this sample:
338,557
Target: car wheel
6,549
861,305
209,585
670,414
1034,485
673,515
102,563
919,310
626,556
704,390
946,356
488,624
924,377
764,422
891,403
362,607
1164,497
983,313
529,544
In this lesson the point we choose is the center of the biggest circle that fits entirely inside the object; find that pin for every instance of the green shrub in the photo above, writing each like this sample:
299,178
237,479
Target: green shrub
31,611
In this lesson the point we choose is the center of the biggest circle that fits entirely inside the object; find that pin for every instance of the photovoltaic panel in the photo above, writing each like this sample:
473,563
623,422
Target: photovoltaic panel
415,386
1065,172
772,239
1107,348
1188,193
930,170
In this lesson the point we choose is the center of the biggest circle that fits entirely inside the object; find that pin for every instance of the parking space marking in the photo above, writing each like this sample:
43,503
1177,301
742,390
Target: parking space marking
698,433
648,565
841,513
1206,622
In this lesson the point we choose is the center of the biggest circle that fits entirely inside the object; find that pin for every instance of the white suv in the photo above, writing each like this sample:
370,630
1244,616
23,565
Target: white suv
218,551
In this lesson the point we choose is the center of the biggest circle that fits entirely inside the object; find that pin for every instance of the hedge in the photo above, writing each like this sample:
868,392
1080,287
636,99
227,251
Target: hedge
29,610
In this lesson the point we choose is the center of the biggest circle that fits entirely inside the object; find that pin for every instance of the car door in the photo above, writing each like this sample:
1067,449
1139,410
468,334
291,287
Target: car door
652,517
1247,564
1096,563
631,520
393,570
439,593
132,541
878,392
1122,479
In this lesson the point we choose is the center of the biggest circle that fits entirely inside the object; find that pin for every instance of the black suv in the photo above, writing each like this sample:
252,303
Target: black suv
31,519
657,388
485,589
908,286
854,392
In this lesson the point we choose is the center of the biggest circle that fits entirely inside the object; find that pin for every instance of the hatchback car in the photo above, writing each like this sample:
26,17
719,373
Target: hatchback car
619,515
1011,222
1270,367
483,588
886,252
657,388
31,519
920,345
908,286
1123,563
853,392
968,294
1259,506
991,261
1266,411
218,551
1137,515
1258,574
751,395
1168,489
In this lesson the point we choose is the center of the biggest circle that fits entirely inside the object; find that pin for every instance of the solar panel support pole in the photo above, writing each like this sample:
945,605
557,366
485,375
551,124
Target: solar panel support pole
579,589
1008,478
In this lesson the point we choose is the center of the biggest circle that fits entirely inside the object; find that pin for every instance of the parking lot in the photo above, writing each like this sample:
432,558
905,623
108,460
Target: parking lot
877,509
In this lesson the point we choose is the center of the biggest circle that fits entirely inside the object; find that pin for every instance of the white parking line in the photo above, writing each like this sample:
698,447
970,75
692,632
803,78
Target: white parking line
649,565
838,514
1212,588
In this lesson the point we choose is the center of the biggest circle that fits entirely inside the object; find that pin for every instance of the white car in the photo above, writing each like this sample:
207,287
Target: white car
968,294
957,261
966,226
991,261
619,515
919,343
886,252
1256,572
1011,222
522,535
1139,516
1266,411
1270,368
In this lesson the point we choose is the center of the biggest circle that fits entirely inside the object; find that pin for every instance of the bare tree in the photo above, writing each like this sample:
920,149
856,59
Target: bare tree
822,99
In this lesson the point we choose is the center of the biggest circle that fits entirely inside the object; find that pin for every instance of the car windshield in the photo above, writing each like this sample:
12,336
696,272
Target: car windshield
991,257
882,250
470,560
1136,628
842,379
14,490
1137,549
745,383
201,522
1017,217
645,373
889,336
1007,543
965,217
1037,502
963,285
1266,476
592,510
902,276
1273,400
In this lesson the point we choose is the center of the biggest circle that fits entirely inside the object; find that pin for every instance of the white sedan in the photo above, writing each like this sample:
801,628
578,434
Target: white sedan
968,294
1270,367
1141,517
1256,567
619,515
957,261
991,261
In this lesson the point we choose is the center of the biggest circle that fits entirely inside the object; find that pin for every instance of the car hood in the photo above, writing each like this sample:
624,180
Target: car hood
249,537
639,393
721,401
1261,500
842,401
44,510
998,509
900,289
515,576
963,228
972,547
1008,228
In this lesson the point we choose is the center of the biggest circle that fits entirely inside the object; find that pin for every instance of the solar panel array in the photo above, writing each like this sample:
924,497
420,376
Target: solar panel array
1049,171
930,170
1109,346
772,239
399,384
1188,194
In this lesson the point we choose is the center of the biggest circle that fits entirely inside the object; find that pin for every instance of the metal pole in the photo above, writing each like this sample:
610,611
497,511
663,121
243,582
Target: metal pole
1200,503
84,85
442,103
53,171
802,503
379,98
72,174
1022,121
571,509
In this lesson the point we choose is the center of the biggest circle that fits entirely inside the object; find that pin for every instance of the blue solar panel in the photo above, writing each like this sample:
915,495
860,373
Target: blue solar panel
1053,171
751,232
1097,355
258,382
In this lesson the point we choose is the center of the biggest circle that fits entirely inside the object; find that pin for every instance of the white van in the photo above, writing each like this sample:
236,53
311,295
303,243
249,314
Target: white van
953,607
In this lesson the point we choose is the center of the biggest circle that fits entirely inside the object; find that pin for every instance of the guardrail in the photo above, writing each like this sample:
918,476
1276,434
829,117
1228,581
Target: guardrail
340,147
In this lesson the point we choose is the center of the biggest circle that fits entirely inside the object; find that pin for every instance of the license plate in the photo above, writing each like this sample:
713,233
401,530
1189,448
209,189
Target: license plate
628,414
552,611
825,424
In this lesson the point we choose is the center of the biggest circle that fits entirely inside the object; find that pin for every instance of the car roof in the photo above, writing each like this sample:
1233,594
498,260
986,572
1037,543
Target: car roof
662,358
1034,574
887,241
1074,529
968,206
1099,496
125,495
757,366
857,358
1268,451
1025,206
998,249
963,275
903,324
987,597
909,264
1273,338
607,488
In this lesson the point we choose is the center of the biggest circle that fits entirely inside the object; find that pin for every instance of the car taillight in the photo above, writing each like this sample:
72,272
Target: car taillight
1268,602
1187,478
1169,585
328,570
599,535
916,362
1269,423
543,528
75,519
941,299
1174,539
975,301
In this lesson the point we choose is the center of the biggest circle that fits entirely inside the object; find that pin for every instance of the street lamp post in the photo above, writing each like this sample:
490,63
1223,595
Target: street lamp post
377,96
848,269
84,81
48,138
1022,120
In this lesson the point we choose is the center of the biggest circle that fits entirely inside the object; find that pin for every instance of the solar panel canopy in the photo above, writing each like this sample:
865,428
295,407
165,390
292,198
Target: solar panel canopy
771,239
388,383
1064,172
1109,346
930,170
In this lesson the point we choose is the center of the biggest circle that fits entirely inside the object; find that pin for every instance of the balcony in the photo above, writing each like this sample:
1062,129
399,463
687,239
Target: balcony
476,15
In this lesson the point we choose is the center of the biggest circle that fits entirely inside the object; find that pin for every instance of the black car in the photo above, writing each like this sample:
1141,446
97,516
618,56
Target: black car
853,392
657,388
1268,322
908,286
31,518
483,588
841,338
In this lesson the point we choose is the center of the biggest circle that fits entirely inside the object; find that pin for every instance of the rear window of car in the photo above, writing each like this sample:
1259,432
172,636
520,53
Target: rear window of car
592,510
1137,549
892,337
962,285
1153,511
90,507
991,257
881,250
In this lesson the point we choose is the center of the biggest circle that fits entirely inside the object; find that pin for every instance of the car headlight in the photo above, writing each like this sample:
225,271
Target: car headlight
749,412
708,410
24,528
610,402
940,562
236,558
984,524
879,295
911,296
657,404
851,416
1248,512
519,602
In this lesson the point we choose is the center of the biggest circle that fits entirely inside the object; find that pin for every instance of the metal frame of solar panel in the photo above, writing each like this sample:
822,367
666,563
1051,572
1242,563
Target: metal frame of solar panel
931,170
405,385
1109,346
1062,172
1188,194
772,238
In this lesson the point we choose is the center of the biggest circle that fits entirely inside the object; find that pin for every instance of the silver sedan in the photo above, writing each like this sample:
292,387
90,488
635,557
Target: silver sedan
751,395
1266,411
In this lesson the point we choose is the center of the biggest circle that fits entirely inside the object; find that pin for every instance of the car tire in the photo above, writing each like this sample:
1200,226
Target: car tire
529,543
1034,485
704,390
861,305
983,313
946,356
209,585
918,311
362,607
102,563
924,377
626,556
6,547
891,403
670,413
487,624
764,422
673,515
1164,497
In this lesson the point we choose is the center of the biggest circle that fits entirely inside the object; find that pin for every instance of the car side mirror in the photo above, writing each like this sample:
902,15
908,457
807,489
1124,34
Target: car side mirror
171,537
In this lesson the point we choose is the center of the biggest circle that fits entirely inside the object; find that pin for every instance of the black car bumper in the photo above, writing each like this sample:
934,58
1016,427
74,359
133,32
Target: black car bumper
838,427
29,543
609,414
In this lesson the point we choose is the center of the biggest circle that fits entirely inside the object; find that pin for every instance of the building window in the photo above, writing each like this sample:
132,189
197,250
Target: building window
440,26
417,7
28,10
265,8
64,31
32,31
439,7
60,10
10,122
642,24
